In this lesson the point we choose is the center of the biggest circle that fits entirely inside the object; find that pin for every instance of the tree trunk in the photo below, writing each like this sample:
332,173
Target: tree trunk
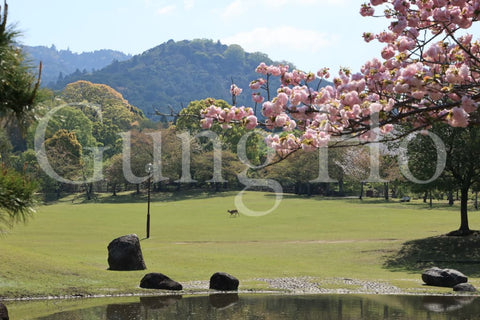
464,210
340,187
476,200
90,191
385,190
361,190
450,198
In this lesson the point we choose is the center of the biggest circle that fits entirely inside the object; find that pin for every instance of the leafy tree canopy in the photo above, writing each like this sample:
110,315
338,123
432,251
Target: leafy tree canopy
175,73
113,106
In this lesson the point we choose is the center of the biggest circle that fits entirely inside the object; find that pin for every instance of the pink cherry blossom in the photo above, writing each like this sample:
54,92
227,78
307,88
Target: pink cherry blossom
251,122
257,97
388,52
234,90
206,123
367,10
458,118
429,71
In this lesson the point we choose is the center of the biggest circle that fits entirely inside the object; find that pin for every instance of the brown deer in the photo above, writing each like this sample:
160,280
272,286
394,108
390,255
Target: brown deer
233,213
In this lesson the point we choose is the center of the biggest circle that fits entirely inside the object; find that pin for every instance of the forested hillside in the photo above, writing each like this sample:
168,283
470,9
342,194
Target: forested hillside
175,73
59,63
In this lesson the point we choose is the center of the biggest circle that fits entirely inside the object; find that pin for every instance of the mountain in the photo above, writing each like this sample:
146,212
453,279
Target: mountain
175,73
58,63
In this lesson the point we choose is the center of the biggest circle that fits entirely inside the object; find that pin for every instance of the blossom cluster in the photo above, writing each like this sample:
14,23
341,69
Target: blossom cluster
225,116
427,73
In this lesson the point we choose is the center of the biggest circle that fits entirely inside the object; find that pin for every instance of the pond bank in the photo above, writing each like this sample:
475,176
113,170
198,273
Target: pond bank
286,285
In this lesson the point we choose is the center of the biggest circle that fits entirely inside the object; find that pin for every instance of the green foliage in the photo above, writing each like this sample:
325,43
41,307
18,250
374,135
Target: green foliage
64,152
462,169
175,73
112,104
189,120
203,167
73,120
58,63
18,83
27,163
106,134
18,88
16,197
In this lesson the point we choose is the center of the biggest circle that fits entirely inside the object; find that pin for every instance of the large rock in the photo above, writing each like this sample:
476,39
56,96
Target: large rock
124,254
464,287
223,282
3,312
159,281
443,277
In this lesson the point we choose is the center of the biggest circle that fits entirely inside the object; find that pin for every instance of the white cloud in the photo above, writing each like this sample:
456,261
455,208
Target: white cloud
275,3
282,3
166,9
341,2
236,8
282,38
188,4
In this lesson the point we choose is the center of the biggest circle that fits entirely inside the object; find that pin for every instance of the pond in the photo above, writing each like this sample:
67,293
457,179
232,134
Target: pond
252,306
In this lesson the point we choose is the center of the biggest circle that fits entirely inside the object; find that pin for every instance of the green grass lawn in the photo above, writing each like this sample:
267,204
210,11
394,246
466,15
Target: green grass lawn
63,249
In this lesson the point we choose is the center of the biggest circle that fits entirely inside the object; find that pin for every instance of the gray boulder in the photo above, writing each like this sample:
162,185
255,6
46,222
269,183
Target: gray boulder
159,281
3,312
464,287
125,254
443,277
223,282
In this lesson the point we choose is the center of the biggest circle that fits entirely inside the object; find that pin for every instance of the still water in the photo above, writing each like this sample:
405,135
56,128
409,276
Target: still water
233,306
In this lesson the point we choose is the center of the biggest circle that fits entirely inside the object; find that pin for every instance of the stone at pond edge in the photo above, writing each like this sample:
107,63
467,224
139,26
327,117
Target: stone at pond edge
443,277
125,254
466,287
159,281
3,312
223,282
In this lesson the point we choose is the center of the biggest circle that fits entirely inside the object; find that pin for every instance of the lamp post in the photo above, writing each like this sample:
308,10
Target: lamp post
149,170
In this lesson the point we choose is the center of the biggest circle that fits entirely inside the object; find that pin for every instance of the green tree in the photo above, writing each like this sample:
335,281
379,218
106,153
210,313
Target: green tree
106,133
114,172
16,197
72,119
203,168
64,153
113,106
462,168
19,84
18,88
189,121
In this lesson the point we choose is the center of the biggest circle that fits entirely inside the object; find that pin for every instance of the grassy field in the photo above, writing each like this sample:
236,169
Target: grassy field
63,250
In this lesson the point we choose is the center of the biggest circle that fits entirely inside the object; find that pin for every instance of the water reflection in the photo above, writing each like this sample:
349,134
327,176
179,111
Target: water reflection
445,304
223,300
232,306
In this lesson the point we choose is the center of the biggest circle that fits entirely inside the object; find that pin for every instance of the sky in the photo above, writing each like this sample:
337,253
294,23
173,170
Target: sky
311,34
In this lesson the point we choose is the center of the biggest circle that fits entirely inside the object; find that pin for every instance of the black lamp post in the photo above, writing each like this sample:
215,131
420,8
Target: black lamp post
149,170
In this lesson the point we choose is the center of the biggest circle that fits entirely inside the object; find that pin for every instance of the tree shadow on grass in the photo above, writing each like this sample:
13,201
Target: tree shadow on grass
461,253
134,197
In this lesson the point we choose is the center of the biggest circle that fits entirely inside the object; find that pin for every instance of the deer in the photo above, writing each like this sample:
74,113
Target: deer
233,213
